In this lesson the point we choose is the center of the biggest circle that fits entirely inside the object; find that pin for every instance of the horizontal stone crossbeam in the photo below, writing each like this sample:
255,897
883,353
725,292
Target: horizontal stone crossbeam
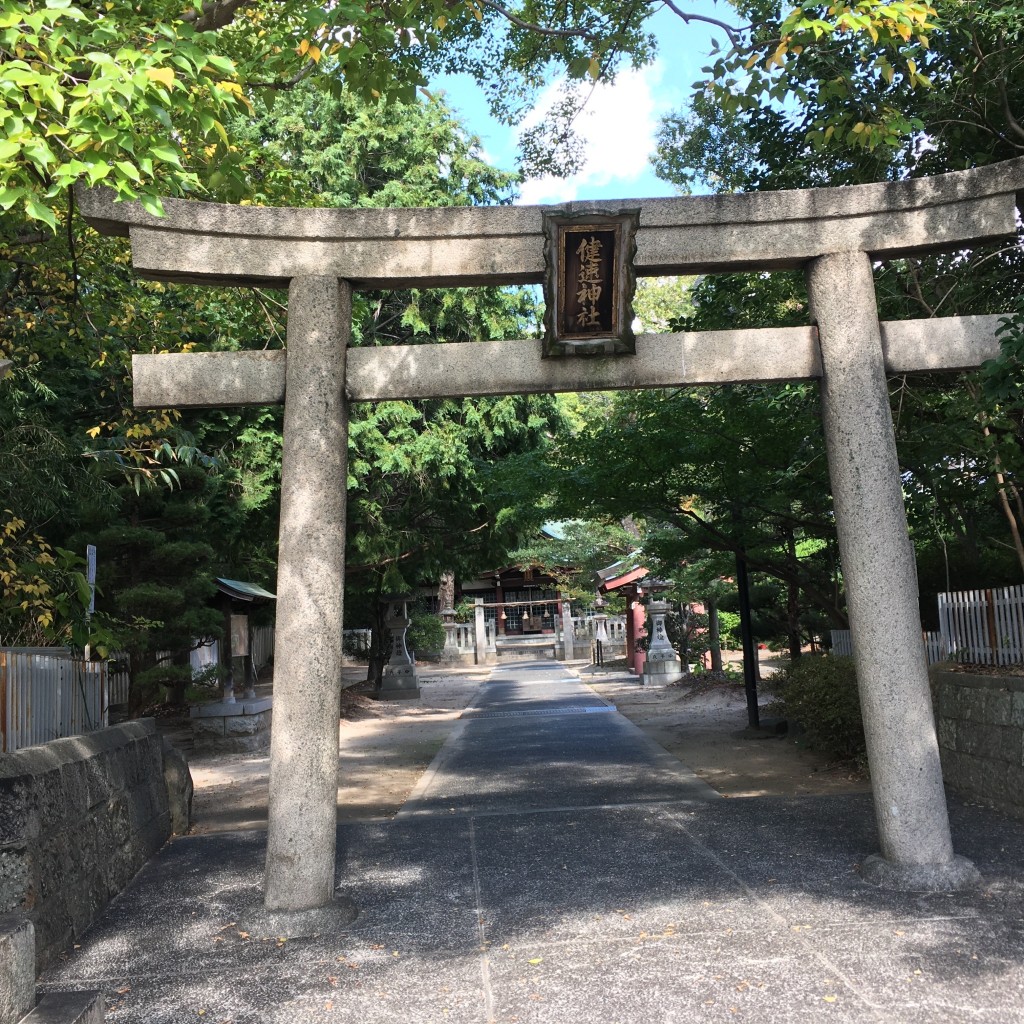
467,369
212,243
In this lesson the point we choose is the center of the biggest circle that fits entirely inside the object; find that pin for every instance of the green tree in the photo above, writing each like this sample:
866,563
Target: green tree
143,97
156,581
959,440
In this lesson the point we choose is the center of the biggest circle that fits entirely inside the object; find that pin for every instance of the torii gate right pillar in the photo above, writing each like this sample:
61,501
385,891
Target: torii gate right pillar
880,577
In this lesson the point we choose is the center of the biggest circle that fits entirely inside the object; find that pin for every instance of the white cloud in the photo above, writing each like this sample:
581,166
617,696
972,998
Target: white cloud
617,128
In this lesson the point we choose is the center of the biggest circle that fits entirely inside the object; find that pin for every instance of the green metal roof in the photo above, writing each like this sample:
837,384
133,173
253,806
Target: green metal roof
244,591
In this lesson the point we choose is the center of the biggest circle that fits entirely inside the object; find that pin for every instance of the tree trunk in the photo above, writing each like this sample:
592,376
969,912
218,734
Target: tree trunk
714,639
446,590
380,648
793,603
176,691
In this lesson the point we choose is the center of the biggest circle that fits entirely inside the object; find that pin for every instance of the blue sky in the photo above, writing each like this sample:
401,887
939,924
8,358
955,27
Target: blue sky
620,122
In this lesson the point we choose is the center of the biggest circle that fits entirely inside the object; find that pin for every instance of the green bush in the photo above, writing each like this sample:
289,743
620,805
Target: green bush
426,632
821,694
729,630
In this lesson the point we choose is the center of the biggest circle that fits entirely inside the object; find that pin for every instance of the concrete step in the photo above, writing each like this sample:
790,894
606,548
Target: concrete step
67,1008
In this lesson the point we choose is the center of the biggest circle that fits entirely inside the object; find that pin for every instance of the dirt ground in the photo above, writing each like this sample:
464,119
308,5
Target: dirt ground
706,728
386,747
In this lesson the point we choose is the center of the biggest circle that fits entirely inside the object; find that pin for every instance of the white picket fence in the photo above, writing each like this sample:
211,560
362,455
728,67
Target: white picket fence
934,645
982,627
985,627
46,694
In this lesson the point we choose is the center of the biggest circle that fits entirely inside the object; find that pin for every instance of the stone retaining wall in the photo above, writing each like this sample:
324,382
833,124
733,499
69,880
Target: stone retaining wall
78,818
980,721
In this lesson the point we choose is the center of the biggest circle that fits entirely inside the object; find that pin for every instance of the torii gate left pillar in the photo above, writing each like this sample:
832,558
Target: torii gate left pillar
302,825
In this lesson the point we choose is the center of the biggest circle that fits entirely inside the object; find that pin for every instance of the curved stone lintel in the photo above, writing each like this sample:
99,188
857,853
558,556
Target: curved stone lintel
951,876
463,369
214,243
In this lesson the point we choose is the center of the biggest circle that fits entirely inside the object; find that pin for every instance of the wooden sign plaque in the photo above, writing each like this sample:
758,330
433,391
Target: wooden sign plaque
589,283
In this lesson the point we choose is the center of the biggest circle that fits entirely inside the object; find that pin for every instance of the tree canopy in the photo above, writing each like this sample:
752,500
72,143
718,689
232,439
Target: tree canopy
146,97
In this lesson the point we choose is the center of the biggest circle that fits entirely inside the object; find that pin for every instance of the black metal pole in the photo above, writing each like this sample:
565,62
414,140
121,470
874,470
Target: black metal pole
746,632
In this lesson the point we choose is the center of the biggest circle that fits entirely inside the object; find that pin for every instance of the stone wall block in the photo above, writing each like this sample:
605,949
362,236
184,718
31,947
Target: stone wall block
97,780
969,736
120,820
137,762
139,808
998,782
178,789
17,968
213,726
19,818
991,741
15,879
153,836
953,705
87,849
1009,744
999,708
973,775
120,868
82,815
1017,709
947,733
1015,784
50,797
151,761
53,857
975,701
246,725
74,781
53,929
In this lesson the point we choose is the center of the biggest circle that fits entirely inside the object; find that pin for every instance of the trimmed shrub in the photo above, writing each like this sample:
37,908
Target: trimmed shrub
820,693
426,632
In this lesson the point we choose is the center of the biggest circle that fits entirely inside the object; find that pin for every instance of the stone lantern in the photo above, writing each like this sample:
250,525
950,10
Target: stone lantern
450,654
398,681
601,620
662,664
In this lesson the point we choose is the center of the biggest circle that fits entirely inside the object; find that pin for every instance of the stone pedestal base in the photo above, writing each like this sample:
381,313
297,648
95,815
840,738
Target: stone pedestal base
456,659
332,919
17,967
659,673
398,683
952,876
238,728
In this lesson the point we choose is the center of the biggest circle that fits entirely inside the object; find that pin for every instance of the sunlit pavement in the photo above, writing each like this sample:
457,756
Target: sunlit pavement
556,865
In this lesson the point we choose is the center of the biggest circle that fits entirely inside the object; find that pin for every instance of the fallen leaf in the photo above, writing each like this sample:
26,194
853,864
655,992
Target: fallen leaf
829,999
536,960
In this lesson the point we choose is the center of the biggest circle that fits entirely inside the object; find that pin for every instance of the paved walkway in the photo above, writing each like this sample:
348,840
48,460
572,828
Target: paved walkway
554,865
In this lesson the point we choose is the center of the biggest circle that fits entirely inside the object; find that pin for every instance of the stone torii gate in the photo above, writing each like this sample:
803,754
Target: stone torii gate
322,255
